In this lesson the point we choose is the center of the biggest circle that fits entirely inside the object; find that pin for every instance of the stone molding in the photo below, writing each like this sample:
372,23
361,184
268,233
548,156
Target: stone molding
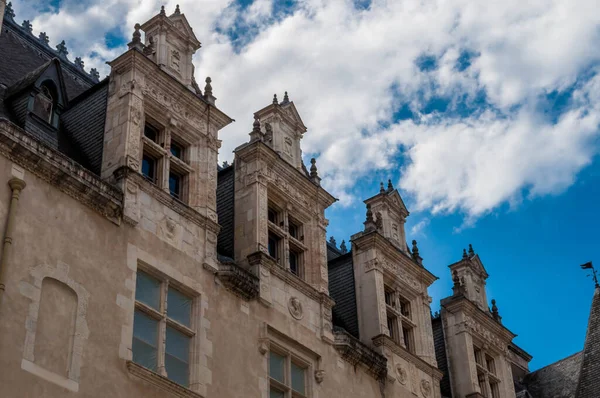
264,260
238,280
357,353
33,291
395,259
479,323
383,340
166,199
60,171
160,381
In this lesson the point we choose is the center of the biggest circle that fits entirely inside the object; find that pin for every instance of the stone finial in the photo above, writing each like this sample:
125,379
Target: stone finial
162,10
465,254
381,188
79,63
415,253
286,99
471,251
256,133
208,93
369,222
495,313
332,241
136,40
456,288
27,26
44,38
8,11
62,49
313,168
225,164
94,74
390,187
177,11
343,248
275,101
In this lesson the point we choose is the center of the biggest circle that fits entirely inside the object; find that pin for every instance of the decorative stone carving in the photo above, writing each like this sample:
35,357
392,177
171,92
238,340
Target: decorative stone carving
425,388
319,375
402,374
288,146
295,308
263,346
175,59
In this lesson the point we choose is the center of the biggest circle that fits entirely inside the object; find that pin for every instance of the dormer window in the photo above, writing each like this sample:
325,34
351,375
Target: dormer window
43,104
164,160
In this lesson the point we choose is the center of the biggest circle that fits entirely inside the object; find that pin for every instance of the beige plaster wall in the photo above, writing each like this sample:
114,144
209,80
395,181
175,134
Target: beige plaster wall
57,232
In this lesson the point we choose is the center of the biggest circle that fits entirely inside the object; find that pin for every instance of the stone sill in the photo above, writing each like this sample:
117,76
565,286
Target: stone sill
160,381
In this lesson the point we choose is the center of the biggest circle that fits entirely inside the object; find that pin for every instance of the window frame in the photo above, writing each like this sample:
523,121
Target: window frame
402,325
166,163
161,316
290,357
489,382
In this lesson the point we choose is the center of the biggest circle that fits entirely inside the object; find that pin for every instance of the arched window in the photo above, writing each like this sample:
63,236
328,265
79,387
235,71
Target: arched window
43,103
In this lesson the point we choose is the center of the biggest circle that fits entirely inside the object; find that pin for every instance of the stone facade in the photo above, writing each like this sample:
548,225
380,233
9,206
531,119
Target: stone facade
81,243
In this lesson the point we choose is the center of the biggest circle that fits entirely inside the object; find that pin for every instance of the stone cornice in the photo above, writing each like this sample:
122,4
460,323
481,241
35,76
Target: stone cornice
479,322
60,171
192,106
166,199
374,239
383,340
240,281
279,171
357,353
267,261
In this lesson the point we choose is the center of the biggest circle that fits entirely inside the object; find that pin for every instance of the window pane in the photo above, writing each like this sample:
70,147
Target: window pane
175,185
294,263
149,168
145,331
276,367
273,243
150,132
177,370
147,290
176,150
276,393
178,344
298,378
179,307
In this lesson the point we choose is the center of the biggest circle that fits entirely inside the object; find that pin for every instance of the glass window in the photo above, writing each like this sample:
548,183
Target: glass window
298,378
272,215
294,263
273,246
147,290
176,150
293,230
177,356
276,367
275,393
179,307
145,337
175,185
43,103
151,133
149,168
154,317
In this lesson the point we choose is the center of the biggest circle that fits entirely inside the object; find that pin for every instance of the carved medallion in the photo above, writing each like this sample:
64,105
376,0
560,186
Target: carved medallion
295,307
402,374
425,388
319,375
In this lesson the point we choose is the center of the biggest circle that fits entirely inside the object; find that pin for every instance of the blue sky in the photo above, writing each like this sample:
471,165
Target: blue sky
484,114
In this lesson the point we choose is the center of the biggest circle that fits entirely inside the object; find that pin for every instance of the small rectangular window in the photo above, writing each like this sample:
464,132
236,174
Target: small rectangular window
408,335
298,378
151,133
277,367
175,185
405,307
274,246
294,229
176,150
389,296
287,375
149,168
147,290
392,323
295,263
272,215
177,356
180,307
145,339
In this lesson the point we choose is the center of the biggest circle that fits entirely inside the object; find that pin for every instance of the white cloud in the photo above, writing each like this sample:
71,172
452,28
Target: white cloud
419,228
348,69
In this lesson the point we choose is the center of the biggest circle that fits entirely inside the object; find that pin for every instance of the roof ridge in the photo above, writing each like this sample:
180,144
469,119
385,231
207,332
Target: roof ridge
589,383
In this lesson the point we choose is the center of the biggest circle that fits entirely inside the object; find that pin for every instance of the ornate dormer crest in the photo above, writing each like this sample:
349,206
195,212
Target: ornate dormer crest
43,37
343,248
27,26
62,50
170,42
9,12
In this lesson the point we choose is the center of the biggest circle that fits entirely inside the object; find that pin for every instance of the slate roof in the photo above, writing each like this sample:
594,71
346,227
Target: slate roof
225,207
342,290
557,380
439,343
589,376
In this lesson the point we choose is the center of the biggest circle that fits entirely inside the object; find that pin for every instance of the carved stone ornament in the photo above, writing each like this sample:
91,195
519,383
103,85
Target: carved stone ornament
402,374
425,388
263,346
295,307
319,375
